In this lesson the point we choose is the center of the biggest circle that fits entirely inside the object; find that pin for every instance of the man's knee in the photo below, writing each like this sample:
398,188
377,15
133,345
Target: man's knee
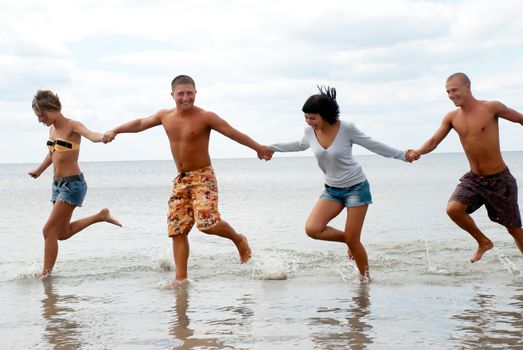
208,227
456,209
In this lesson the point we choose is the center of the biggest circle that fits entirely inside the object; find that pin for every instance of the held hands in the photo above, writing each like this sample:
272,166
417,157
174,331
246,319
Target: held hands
265,153
412,155
108,136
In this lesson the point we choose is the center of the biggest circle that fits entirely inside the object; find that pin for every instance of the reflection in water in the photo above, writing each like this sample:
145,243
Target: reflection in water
344,328
488,325
180,325
61,330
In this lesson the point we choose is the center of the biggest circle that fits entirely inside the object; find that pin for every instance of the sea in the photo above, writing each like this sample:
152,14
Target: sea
112,287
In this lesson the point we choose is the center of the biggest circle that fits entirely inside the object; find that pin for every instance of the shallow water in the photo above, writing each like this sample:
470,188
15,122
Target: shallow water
111,287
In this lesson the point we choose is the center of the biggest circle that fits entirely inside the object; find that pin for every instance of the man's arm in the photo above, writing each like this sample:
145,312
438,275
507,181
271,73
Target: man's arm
224,128
502,111
439,135
136,125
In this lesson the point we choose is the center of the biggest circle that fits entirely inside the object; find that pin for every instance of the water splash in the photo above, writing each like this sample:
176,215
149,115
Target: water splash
431,267
269,267
509,265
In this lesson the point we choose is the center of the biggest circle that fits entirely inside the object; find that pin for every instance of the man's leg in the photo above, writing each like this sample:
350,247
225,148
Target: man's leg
457,212
223,229
517,233
181,255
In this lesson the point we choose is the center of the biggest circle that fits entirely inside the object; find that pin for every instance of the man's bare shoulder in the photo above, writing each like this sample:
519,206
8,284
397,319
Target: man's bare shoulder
204,113
494,106
164,113
450,116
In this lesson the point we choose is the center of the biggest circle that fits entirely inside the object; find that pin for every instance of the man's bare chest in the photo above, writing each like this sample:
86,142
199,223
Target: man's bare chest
475,126
185,130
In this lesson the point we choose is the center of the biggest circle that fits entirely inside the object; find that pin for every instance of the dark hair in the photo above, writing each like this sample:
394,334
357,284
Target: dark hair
182,79
461,76
324,104
46,100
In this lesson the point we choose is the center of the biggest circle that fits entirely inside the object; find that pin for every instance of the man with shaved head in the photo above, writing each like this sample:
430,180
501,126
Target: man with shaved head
489,181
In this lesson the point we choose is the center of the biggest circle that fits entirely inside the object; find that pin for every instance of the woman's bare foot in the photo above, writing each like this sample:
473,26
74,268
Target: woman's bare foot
482,248
105,214
244,249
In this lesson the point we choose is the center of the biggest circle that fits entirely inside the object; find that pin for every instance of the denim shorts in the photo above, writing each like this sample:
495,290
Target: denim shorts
352,196
69,189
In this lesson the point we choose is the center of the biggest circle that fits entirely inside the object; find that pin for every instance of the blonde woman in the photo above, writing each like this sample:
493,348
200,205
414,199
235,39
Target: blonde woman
69,186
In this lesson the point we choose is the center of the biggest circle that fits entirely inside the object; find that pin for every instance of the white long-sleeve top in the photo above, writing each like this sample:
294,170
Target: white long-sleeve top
336,162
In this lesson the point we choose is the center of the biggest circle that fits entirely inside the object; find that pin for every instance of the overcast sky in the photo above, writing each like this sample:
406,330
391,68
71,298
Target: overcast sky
254,63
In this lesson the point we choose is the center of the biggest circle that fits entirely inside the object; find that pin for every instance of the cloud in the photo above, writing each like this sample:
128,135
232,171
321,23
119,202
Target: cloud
255,63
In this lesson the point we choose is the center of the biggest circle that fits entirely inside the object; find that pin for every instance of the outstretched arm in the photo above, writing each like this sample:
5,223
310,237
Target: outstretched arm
41,168
439,135
502,111
81,129
136,125
359,138
224,128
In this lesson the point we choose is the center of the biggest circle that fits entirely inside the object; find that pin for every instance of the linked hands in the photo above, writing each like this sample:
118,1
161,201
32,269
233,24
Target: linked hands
265,153
412,155
108,136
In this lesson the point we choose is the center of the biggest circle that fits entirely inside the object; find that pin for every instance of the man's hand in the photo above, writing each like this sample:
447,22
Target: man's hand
412,155
265,153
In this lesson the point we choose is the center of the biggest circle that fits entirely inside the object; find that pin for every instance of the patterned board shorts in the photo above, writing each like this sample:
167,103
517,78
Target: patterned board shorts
499,193
194,198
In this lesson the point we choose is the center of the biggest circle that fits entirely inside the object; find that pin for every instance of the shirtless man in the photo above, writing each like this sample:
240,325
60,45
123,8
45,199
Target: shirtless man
194,196
489,181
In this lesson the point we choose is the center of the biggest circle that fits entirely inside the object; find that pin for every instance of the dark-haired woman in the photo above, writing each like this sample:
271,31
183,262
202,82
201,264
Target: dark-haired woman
346,186
69,186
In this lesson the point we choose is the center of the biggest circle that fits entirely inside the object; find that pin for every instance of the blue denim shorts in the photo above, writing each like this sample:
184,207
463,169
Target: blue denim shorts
352,196
69,189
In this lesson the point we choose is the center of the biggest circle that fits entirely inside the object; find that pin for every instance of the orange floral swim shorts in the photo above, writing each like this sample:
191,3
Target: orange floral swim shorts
194,198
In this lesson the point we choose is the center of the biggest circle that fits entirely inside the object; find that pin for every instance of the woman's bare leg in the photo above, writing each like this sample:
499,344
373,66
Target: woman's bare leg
57,224
322,213
353,227
59,227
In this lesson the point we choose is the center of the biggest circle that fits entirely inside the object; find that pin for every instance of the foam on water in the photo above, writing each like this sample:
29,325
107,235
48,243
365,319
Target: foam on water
270,268
115,286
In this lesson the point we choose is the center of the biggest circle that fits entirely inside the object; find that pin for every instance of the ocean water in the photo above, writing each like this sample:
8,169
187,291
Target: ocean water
111,287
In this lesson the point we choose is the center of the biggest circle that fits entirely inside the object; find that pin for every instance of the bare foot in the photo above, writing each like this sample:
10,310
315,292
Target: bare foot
482,248
365,278
106,216
244,250
177,284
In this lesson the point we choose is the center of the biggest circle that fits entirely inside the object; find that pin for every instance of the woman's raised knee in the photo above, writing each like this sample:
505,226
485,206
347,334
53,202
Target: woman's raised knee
313,231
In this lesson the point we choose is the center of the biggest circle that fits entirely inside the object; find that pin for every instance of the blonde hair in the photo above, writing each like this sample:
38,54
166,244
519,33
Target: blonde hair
46,100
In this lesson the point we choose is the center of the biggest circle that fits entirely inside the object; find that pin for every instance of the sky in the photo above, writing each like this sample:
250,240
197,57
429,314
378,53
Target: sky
255,63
